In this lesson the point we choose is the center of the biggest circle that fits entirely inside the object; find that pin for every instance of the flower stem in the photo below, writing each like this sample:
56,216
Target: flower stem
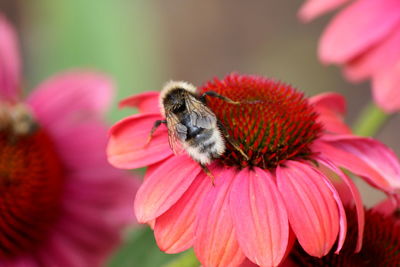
371,121
186,259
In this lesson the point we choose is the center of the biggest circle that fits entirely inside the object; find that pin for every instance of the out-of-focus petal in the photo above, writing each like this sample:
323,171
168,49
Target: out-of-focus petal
331,108
166,185
386,88
387,206
216,244
9,62
128,146
174,230
366,157
146,102
311,206
355,196
259,216
70,97
314,8
382,56
352,31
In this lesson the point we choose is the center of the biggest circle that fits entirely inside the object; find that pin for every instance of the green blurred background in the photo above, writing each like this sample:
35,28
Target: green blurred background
142,44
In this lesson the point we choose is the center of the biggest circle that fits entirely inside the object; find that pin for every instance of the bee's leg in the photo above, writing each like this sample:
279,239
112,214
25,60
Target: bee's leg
214,94
157,123
208,172
231,140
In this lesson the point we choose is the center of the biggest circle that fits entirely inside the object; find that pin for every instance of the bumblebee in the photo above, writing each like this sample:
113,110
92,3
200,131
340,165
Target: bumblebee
192,126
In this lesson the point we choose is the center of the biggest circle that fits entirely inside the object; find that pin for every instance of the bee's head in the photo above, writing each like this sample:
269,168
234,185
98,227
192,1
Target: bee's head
173,95
175,101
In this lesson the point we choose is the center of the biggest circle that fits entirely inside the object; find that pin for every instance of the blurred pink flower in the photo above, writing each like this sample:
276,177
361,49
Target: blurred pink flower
284,188
61,203
365,38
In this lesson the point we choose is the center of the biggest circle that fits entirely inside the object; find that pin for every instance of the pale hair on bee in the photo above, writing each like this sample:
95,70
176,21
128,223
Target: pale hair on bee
192,126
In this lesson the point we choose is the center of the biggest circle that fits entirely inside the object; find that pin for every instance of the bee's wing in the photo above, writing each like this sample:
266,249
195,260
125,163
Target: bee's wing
176,133
200,115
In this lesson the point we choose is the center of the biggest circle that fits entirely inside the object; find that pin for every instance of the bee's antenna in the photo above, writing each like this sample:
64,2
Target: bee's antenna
215,94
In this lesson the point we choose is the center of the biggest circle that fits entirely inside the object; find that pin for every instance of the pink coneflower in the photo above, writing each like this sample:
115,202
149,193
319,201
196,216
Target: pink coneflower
256,205
364,38
381,243
61,203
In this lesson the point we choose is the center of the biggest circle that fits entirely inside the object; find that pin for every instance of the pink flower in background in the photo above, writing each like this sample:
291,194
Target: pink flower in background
381,242
61,203
255,204
365,38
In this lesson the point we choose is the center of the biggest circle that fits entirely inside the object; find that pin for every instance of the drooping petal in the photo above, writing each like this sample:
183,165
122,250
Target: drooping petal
342,215
174,230
166,185
311,206
128,145
314,8
357,28
216,244
356,197
259,216
386,88
146,102
331,108
71,96
382,56
366,157
9,62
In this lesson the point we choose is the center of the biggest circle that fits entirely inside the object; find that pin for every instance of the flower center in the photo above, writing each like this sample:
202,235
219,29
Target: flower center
30,188
273,122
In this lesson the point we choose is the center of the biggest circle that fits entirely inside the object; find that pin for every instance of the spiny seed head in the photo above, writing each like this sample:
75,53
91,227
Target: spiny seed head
272,123
31,182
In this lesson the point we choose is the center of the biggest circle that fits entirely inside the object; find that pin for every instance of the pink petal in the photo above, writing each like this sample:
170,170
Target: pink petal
164,187
128,147
383,55
311,206
356,197
9,62
386,207
86,152
174,230
331,108
332,101
248,263
357,28
386,88
365,157
342,215
146,102
259,216
216,244
314,8
70,97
